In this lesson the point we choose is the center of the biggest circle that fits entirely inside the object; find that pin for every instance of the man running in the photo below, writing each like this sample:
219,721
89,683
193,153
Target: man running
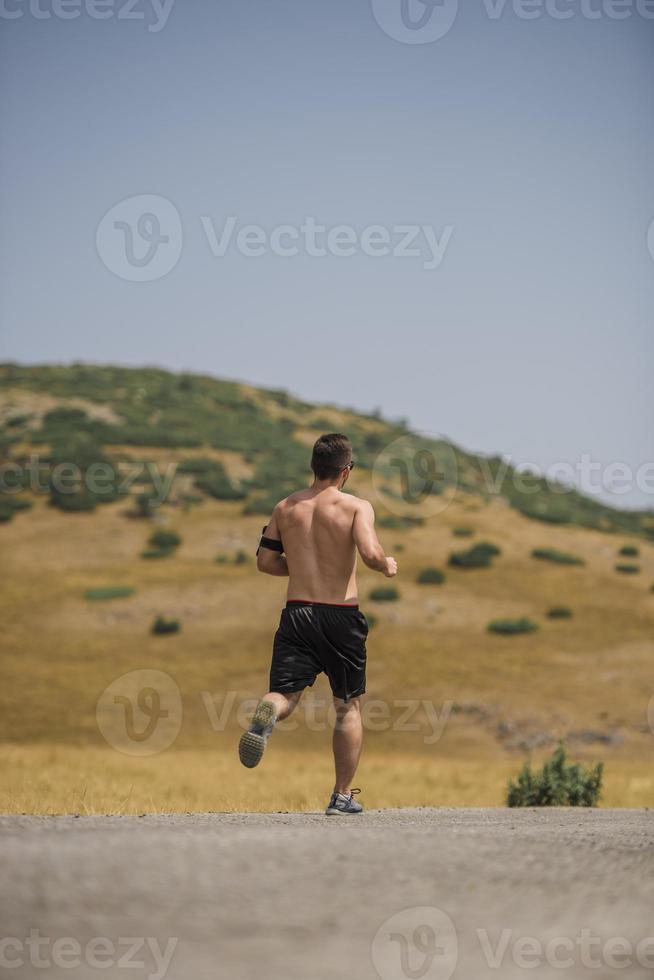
313,538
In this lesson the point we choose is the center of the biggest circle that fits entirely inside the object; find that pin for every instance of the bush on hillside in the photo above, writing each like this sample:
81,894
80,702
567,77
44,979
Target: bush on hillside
629,551
109,592
10,505
196,465
395,522
430,576
73,503
560,557
164,540
509,627
145,504
557,784
559,612
161,626
79,475
215,482
479,556
384,593
463,532
628,569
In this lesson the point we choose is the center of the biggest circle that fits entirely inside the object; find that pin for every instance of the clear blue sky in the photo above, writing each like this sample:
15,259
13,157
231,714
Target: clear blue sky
532,139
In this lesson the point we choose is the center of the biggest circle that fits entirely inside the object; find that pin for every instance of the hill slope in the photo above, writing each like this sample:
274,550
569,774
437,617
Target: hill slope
78,410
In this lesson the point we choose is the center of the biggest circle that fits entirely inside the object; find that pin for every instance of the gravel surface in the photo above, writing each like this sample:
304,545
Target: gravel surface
396,894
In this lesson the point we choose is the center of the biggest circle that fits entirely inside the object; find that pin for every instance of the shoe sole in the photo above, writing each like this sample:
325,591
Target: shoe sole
333,811
252,746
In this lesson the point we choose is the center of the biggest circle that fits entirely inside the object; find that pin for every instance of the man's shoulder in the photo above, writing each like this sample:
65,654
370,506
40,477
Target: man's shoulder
286,503
356,504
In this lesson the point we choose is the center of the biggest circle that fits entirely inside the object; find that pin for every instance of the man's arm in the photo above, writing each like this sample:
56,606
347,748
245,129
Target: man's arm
270,560
367,542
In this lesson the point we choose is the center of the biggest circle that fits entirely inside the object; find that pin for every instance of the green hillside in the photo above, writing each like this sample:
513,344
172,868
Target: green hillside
88,414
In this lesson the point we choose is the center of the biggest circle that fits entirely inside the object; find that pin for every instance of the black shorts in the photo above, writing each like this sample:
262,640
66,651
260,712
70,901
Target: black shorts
314,637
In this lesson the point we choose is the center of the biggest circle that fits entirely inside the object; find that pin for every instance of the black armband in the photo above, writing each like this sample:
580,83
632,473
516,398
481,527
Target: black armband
270,543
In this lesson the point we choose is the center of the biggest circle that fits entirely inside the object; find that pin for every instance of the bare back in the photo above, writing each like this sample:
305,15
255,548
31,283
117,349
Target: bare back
317,531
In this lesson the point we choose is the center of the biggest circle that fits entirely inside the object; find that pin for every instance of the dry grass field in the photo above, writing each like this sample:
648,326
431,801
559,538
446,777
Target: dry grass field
453,710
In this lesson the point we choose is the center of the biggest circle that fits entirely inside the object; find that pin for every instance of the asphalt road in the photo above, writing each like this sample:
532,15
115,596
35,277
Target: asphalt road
395,894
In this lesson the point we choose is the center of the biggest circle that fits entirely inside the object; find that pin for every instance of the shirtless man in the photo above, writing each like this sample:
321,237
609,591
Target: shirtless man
313,538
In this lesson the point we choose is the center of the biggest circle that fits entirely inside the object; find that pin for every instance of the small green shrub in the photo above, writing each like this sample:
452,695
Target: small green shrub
557,784
241,558
73,503
511,626
559,612
145,504
479,556
217,484
560,557
384,593
371,619
221,559
628,569
109,592
430,576
192,498
12,505
162,626
629,551
196,465
164,540
463,532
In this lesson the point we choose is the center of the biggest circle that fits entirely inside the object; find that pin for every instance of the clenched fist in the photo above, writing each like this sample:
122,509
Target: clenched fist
391,568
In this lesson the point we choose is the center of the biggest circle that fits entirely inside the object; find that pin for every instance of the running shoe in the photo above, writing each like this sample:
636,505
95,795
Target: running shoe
253,742
340,804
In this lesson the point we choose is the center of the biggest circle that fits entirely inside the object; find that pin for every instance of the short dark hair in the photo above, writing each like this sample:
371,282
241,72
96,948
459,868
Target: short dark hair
331,454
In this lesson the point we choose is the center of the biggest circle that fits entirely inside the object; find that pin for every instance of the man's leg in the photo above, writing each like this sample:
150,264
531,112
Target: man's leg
284,703
347,742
